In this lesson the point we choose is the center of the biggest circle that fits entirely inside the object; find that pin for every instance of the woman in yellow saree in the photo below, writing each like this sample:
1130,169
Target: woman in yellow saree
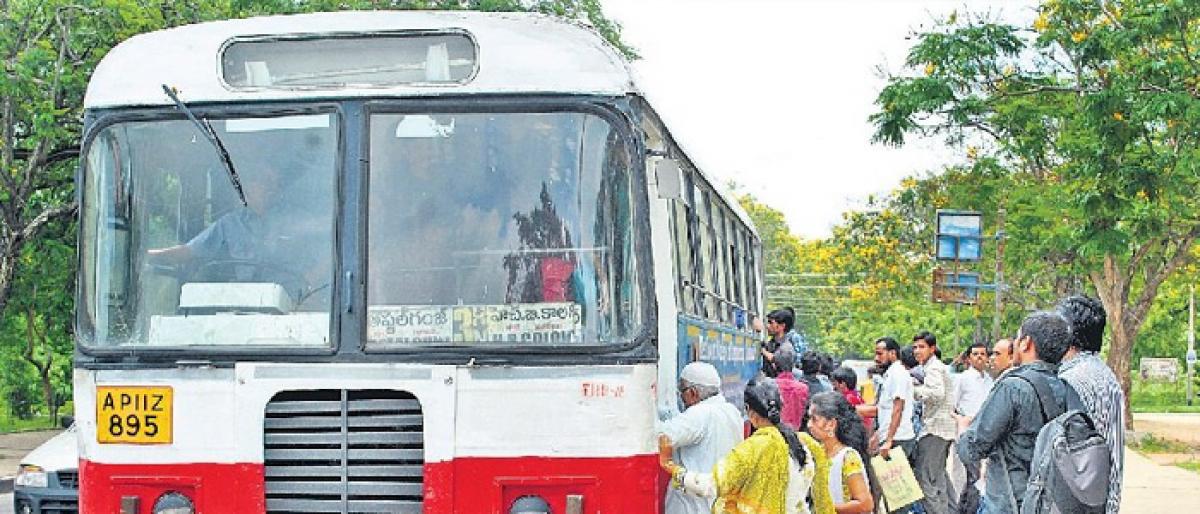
771,472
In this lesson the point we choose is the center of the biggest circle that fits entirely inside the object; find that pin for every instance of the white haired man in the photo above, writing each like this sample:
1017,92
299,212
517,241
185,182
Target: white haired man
707,430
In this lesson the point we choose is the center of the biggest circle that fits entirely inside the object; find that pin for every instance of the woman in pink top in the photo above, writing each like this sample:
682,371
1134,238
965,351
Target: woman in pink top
793,392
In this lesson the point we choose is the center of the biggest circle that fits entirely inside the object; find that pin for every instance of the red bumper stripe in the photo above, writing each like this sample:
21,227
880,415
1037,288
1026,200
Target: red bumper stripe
466,485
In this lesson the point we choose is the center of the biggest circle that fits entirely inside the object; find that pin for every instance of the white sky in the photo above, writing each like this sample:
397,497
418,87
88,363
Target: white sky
774,94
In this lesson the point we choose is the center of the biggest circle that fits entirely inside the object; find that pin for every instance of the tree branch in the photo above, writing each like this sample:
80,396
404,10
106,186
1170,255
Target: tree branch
53,213
1183,39
39,152
6,144
53,157
1141,253
34,337
1182,256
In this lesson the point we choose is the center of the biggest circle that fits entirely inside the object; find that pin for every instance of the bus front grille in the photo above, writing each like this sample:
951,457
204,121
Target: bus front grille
340,451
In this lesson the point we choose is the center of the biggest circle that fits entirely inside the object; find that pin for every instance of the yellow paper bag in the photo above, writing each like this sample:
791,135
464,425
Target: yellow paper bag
896,480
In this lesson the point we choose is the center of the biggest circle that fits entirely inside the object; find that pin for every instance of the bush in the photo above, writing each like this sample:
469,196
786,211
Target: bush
1163,396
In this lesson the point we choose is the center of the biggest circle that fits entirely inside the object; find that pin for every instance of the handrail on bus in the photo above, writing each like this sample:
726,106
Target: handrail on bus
535,251
719,298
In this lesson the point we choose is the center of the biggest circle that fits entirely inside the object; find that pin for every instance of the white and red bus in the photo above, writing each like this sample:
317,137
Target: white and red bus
391,262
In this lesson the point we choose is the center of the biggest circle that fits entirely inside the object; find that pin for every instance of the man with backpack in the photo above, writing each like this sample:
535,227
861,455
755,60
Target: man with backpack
1007,426
1098,388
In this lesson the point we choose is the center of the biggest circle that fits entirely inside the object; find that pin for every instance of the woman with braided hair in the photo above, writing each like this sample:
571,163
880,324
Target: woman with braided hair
771,472
834,422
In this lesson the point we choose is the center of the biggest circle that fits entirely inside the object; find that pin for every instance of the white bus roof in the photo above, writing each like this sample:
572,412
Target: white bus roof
517,53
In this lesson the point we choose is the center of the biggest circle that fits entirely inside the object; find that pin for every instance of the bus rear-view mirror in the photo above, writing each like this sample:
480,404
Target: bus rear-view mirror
670,179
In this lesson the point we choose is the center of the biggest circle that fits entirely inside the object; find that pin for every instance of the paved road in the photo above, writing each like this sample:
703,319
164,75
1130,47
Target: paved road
1151,488
6,505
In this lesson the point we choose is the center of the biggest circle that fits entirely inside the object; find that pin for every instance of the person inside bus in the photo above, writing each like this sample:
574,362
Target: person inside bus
707,430
251,243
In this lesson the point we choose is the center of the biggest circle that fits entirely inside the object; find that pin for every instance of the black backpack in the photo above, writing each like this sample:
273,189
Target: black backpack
1071,462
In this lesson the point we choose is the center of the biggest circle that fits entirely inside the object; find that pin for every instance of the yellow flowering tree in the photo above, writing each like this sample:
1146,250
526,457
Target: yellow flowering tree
1096,126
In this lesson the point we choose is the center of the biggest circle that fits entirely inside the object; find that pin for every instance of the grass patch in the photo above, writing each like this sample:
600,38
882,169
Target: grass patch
1168,409
1191,465
1162,396
8,424
1151,443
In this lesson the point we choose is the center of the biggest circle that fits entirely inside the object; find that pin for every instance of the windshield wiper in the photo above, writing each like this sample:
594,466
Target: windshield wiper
210,134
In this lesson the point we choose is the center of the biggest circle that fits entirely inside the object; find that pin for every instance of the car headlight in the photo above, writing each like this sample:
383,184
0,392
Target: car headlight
173,503
31,476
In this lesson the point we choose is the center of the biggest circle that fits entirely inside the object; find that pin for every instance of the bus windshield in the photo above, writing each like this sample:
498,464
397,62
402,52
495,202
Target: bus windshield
499,228
171,255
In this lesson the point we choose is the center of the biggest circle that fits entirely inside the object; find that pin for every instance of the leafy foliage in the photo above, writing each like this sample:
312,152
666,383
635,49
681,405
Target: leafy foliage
1092,118
49,49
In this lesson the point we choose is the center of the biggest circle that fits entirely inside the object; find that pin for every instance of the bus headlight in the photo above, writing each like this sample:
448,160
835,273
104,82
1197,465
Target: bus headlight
529,505
31,476
173,503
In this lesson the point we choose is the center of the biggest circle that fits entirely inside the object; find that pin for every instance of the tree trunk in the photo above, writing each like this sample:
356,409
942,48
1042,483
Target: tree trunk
44,367
1120,357
1127,311
8,262
48,393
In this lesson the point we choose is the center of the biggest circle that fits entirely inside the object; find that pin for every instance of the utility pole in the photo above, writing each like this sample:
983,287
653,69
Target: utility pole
999,276
957,340
1191,353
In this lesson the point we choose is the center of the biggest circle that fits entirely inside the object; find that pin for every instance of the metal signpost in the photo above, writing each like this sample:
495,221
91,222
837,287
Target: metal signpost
1191,353
959,239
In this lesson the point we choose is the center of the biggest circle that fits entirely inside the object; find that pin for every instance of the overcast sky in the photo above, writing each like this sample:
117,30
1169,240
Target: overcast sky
774,94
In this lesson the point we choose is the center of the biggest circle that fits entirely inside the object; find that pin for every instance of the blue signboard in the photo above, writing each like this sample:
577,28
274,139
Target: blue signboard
955,286
959,236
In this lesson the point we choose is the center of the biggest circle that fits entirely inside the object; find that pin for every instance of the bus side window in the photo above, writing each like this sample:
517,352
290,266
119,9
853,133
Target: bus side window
682,250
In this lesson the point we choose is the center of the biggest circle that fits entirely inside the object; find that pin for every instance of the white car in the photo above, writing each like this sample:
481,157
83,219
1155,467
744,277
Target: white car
48,479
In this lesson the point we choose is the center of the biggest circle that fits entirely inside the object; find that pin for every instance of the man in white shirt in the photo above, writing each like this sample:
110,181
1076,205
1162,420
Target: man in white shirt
894,410
705,432
972,388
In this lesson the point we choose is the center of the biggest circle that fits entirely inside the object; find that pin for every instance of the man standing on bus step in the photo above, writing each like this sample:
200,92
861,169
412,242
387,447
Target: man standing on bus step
938,428
779,324
707,429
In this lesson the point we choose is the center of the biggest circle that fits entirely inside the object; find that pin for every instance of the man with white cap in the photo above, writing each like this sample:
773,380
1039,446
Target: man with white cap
706,431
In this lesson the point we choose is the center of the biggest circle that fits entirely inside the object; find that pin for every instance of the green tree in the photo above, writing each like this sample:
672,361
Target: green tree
40,314
1096,107
49,49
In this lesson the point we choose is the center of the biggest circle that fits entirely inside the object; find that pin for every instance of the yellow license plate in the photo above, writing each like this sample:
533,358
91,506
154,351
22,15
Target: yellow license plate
134,414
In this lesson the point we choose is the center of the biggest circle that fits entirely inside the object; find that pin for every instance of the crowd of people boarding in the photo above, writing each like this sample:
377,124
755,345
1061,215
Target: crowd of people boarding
812,438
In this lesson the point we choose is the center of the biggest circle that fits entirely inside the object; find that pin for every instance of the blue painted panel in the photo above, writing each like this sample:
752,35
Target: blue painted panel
733,352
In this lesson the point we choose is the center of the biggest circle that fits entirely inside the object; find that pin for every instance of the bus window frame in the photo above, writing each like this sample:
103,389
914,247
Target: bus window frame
96,122
309,36
348,305
616,113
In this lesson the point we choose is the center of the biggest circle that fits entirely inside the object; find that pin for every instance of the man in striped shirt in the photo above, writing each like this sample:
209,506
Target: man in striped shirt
938,428
1096,384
